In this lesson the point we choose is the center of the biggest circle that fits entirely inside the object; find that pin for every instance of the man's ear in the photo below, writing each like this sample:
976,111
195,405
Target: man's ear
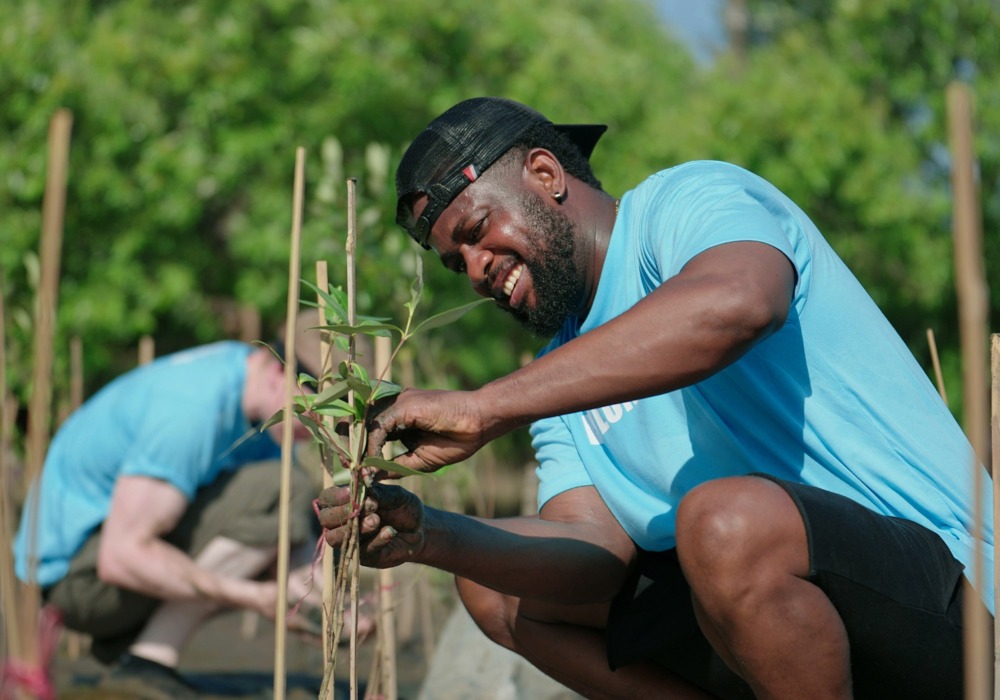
544,171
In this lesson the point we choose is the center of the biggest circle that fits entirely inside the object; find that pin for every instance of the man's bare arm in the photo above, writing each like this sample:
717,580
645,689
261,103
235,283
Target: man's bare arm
574,552
133,554
724,301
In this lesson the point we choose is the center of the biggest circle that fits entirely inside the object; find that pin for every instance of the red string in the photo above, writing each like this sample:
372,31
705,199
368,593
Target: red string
35,679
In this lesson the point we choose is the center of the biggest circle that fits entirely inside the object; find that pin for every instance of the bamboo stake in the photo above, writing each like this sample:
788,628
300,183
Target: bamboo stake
287,424
147,349
388,684
354,561
249,319
53,212
995,438
8,581
423,589
323,283
937,366
75,373
973,310
75,641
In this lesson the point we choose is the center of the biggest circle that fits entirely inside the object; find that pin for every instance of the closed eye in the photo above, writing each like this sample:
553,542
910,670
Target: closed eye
454,263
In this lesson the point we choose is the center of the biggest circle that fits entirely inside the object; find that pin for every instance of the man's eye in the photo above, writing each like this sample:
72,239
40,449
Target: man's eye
477,231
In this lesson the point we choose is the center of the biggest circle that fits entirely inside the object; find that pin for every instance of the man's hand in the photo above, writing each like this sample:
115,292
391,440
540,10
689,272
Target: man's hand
392,523
438,428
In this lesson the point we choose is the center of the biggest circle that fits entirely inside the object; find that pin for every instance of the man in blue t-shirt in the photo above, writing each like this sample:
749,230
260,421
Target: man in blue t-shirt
159,504
748,487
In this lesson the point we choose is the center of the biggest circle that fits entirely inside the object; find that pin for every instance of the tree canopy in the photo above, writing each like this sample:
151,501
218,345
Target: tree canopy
187,114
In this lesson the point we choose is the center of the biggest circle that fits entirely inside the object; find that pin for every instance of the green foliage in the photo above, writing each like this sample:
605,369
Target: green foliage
186,119
187,114
351,381
899,57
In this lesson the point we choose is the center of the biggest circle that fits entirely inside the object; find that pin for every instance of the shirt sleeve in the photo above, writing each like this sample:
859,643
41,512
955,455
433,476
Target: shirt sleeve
559,466
175,446
702,205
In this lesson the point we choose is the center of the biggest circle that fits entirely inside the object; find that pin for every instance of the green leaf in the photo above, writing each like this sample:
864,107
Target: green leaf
338,409
416,288
385,388
366,326
389,466
331,393
362,389
450,316
336,301
361,373
273,420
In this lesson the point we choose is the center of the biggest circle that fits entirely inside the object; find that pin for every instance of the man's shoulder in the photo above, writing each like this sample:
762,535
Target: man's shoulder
693,173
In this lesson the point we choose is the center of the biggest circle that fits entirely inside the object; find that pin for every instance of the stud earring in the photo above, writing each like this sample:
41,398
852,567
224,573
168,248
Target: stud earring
558,196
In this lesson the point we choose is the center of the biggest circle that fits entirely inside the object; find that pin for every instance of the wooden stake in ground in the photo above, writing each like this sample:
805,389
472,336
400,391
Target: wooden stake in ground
249,318
327,689
973,313
147,349
75,641
40,404
8,582
937,365
75,373
353,561
287,424
388,684
995,433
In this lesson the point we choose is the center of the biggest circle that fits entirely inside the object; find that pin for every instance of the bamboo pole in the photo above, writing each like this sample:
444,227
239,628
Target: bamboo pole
147,349
249,320
354,560
323,283
40,404
936,362
287,425
424,595
75,373
973,310
8,581
995,439
75,641
388,682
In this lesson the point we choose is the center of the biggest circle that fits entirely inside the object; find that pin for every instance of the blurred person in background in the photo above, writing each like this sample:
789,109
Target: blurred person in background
159,506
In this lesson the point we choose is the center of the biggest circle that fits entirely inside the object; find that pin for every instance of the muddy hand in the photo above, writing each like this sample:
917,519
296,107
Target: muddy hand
438,428
391,519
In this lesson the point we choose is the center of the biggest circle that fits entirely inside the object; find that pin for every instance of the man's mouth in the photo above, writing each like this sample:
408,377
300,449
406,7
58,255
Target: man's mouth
512,278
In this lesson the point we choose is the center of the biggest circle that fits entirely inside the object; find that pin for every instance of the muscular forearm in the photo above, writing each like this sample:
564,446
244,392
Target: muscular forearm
160,570
692,326
524,557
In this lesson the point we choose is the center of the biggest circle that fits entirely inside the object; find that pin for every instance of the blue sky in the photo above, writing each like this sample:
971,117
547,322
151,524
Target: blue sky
697,23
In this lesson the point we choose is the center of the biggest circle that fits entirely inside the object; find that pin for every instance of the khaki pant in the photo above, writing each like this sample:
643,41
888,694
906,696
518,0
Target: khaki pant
240,505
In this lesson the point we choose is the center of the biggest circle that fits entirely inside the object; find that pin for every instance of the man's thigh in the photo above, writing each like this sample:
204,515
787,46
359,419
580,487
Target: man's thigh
244,506
90,605
893,582
898,590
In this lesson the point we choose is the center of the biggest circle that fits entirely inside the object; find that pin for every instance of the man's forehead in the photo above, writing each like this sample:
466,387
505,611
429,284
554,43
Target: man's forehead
444,229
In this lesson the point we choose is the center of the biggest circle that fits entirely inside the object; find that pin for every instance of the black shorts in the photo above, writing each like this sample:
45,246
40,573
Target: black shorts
894,583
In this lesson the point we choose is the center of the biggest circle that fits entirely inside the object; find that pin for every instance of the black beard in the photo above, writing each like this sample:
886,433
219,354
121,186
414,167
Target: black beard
553,269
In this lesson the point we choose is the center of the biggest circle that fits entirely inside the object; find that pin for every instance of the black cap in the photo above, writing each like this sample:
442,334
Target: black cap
458,146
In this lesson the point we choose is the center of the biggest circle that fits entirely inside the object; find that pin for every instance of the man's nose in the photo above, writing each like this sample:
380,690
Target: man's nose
477,267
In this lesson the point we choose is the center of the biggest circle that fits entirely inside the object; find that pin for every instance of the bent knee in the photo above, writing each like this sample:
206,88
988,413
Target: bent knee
736,525
493,612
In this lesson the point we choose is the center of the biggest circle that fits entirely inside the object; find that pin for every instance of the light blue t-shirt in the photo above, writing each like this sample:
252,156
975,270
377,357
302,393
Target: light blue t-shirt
833,399
176,419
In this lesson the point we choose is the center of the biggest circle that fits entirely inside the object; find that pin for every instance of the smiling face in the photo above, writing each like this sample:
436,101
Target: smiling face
514,245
